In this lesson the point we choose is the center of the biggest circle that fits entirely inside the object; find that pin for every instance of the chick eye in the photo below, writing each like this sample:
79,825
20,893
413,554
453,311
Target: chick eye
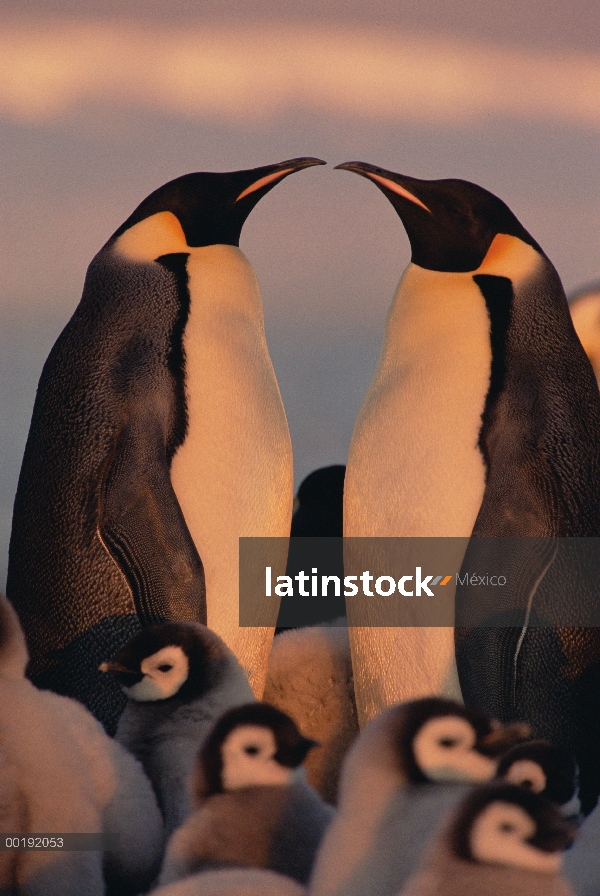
527,784
166,667
447,742
251,750
506,827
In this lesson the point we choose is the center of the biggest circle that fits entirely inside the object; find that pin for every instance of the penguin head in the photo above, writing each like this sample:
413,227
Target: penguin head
183,659
503,824
440,740
250,745
450,224
199,209
539,766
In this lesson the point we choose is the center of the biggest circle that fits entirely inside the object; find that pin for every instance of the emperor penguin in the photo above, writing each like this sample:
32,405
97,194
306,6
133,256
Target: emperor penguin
501,840
480,335
548,770
254,807
61,773
411,764
158,438
179,677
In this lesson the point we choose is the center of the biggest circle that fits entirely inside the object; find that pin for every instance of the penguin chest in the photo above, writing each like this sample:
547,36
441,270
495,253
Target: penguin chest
233,473
414,465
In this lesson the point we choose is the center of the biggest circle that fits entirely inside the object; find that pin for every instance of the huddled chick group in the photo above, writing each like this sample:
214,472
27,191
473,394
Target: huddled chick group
433,798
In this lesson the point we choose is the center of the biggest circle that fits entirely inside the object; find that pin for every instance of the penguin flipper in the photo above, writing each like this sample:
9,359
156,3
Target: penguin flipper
144,530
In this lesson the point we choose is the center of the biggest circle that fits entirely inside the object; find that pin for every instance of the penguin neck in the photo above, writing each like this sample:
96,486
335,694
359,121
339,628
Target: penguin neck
221,283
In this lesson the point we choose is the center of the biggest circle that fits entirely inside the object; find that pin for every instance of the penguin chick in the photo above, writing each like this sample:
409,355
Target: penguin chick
387,795
233,882
543,768
254,805
319,504
179,677
501,840
310,678
61,773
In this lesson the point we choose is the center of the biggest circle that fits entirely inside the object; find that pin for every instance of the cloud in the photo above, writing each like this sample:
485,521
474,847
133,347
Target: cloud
247,72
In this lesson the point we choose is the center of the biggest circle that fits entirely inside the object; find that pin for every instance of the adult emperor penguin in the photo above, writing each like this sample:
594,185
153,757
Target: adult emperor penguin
158,437
483,419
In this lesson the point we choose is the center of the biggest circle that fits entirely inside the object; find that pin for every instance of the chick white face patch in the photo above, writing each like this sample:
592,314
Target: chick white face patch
527,773
247,756
164,672
499,837
444,750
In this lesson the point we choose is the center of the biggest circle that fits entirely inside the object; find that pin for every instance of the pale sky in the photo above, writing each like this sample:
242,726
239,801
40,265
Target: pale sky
100,103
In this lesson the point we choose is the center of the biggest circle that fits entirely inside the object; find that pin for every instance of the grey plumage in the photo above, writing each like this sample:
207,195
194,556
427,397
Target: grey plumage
65,775
254,805
164,734
233,882
524,849
409,766
581,864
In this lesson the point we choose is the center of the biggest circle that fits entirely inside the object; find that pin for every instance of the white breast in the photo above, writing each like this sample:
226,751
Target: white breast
233,475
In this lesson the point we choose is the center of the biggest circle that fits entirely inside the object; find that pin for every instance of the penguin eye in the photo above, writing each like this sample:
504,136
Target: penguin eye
527,784
165,667
447,742
251,750
506,827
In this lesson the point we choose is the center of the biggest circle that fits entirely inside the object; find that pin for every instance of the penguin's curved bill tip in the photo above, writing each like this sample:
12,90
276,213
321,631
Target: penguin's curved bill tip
278,172
387,181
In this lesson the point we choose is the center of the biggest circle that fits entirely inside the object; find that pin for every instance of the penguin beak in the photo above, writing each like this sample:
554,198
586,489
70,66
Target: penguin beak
265,178
127,677
391,184
502,738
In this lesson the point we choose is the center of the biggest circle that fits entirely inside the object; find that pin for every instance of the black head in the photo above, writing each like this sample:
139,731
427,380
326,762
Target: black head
539,766
188,657
450,223
471,733
320,503
292,746
543,827
212,207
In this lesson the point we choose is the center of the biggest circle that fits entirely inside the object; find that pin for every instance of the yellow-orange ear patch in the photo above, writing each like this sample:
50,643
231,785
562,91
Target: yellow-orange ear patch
396,188
160,234
263,181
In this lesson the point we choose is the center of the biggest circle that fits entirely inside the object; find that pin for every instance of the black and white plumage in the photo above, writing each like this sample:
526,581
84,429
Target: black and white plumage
179,677
501,840
158,438
543,768
411,764
61,773
518,471
254,805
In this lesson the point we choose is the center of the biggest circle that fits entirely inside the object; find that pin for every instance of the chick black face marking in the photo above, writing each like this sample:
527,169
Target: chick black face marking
440,740
506,825
250,745
168,659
